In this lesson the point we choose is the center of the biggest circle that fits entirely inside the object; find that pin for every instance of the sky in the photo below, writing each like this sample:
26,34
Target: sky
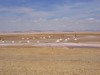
49,15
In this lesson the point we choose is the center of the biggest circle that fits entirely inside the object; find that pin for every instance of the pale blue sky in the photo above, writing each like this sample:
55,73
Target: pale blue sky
57,15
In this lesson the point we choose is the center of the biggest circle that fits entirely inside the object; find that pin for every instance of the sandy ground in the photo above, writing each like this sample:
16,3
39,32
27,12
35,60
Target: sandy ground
50,54
49,61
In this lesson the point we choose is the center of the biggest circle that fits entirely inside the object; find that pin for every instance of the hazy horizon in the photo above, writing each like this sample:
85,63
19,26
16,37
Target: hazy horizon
49,15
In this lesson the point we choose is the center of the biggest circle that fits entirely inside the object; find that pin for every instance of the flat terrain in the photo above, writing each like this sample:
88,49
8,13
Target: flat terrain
35,38
51,37
50,54
49,61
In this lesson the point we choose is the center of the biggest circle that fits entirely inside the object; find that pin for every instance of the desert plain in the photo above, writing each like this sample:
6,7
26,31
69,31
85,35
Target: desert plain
26,54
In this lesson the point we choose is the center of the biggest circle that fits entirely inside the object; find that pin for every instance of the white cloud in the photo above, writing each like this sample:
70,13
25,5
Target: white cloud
51,24
63,17
16,10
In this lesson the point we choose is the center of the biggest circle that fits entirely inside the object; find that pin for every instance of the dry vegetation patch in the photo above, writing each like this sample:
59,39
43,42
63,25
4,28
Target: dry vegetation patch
49,61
